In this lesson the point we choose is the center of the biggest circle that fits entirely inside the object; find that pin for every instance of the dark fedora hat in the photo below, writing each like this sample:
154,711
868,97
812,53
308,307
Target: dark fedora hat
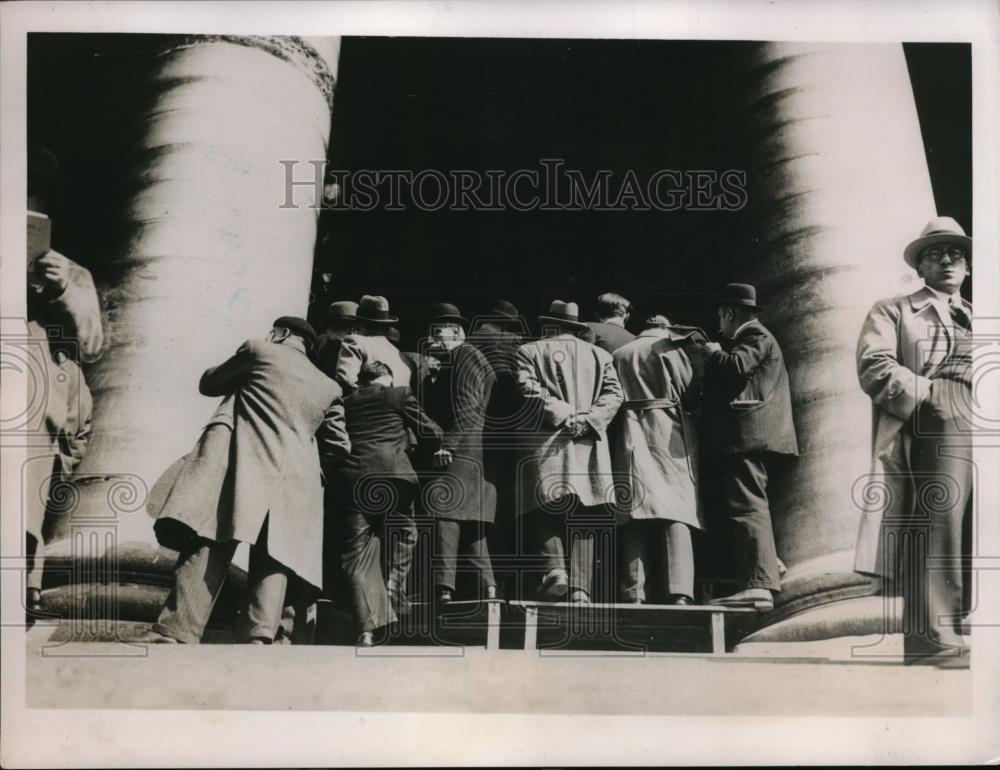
740,295
938,230
442,312
343,310
375,309
501,308
299,326
564,314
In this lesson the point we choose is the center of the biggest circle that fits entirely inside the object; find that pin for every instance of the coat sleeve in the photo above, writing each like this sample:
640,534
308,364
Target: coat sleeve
349,362
73,443
331,436
223,379
80,310
888,383
556,410
609,399
416,419
473,384
744,358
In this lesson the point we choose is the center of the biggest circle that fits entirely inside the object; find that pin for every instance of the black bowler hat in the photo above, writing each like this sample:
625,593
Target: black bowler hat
501,308
740,295
299,326
444,312
375,309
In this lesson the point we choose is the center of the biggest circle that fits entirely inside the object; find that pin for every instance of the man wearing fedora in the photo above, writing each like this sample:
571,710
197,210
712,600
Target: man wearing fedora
914,362
267,492
457,493
497,333
341,322
747,418
369,343
655,451
609,332
566,479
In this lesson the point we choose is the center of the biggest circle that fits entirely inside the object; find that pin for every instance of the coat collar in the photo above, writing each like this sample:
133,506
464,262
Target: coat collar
923,297
754,324
672,334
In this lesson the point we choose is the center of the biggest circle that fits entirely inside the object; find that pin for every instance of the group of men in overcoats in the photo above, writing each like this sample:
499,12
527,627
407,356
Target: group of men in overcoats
610,429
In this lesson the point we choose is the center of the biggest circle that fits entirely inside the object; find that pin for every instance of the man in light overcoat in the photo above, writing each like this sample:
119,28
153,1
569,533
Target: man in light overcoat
914,361
655,450
566,475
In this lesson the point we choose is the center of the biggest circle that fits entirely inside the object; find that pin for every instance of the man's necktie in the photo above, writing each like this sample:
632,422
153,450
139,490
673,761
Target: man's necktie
958,314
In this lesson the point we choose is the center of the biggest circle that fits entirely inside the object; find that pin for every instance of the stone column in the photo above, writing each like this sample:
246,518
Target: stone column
840,186
210,255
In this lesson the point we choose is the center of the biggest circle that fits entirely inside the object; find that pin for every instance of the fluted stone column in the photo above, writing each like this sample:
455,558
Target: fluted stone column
840,186
210,257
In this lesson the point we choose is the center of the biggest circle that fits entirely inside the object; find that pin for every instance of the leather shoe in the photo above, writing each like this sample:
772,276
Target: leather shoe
579,597
366,639
491,592
680,599
554,587
33,600
955,658
154,637
444,596
757,598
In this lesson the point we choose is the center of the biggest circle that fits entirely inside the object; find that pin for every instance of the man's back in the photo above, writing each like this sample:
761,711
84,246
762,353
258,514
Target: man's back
748,403
376,423
357,349
608,336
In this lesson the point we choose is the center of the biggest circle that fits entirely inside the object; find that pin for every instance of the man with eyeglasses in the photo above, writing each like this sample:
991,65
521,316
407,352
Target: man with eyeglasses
914,362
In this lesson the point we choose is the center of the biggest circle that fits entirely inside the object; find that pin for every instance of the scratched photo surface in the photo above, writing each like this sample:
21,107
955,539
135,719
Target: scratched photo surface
497,375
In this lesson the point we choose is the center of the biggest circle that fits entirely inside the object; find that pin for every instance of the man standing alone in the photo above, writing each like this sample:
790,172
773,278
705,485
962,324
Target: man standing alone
748,422
915,362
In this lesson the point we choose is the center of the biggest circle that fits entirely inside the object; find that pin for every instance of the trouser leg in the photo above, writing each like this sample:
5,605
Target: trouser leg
473,543
401,536
447,538
549,531
581,554
941,461
199,577
361,561
745,500
267,584
678,558
633,575
36,563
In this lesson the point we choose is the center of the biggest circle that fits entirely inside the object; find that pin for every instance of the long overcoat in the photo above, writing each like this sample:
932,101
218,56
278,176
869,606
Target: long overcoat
902,341
655,436
280,411
457,400
566,376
